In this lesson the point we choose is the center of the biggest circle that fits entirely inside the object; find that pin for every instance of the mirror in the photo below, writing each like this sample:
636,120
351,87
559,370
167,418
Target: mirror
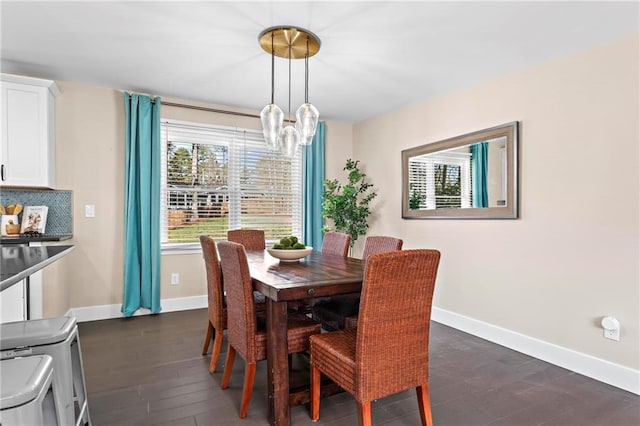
473,176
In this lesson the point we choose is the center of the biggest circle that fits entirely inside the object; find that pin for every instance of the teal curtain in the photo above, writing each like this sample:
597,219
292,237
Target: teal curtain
313,186
479,174
142,205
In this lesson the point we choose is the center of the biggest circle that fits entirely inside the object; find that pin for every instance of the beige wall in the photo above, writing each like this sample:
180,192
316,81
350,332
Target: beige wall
571,258
573,255
90,162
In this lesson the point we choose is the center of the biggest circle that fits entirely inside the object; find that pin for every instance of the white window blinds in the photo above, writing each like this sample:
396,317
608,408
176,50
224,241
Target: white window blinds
216,178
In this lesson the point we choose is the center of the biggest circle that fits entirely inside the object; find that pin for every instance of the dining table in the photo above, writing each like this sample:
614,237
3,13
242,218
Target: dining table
316,275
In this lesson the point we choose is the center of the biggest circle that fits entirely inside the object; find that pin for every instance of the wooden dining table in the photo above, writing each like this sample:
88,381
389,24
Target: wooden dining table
316,275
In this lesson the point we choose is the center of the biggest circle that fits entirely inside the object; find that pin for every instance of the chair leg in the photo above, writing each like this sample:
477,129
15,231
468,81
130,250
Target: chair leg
207,338
228,367
217,345
315,393
424,404
249,378
364,413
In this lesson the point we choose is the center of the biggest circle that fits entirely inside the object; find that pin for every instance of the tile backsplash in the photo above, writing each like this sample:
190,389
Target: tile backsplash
60,203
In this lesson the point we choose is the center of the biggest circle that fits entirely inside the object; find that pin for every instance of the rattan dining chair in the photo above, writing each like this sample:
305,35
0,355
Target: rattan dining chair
336,243
389,351
247,333
342,311
216,305
251,239
215,294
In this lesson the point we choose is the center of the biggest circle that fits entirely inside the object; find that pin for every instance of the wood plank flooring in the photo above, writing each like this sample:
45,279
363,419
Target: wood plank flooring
148,371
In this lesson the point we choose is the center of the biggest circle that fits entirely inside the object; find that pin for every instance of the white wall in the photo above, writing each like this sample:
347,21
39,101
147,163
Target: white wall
573,255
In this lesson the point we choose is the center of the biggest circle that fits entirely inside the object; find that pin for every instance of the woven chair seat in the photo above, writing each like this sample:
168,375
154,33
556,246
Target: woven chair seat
299,329
335,355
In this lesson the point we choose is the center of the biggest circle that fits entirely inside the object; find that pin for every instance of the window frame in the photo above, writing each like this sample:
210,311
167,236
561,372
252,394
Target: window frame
235,165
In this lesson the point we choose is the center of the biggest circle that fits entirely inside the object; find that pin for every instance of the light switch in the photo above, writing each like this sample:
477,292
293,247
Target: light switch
89,210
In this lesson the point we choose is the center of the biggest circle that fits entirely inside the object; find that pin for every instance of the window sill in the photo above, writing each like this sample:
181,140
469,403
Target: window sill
180,248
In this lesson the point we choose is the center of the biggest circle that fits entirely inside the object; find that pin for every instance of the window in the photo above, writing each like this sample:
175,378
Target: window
216,178
440,181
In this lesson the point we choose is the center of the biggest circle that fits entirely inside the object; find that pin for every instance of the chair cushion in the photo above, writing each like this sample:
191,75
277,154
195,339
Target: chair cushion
334,354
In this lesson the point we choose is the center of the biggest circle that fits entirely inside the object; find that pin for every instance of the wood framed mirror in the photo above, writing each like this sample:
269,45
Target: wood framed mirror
472,176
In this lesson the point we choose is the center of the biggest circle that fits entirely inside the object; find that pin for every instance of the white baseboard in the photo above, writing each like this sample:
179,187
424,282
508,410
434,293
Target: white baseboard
614,374
101,312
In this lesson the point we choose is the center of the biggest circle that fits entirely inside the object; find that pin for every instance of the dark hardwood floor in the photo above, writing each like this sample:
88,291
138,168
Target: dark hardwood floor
148,370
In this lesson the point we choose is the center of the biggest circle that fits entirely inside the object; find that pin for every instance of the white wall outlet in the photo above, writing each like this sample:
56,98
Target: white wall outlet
89,210
175,279
611,328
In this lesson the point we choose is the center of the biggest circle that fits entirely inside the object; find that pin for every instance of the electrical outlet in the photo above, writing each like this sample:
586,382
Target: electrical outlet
175,279
611,327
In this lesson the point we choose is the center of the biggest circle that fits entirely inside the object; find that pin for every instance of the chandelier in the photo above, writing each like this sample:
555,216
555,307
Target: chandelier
290,43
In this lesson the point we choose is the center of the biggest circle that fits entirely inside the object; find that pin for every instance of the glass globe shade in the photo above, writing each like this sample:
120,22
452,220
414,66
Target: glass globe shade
289,141
306,122
272,117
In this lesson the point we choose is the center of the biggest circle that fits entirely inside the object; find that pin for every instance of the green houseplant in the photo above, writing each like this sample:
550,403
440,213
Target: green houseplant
416,199
348,205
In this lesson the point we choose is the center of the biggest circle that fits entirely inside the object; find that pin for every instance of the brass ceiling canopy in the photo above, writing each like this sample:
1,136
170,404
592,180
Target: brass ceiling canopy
289,39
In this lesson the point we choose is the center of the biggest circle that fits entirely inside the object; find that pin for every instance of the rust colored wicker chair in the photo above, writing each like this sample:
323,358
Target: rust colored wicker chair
389,351
342,311
246,332
216,307
336,243
251,239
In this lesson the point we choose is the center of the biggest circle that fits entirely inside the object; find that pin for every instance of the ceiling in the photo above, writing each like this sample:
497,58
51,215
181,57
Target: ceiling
375,56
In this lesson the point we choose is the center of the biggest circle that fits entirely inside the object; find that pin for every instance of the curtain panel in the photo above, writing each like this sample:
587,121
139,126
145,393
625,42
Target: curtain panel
141,205
313,185
479,174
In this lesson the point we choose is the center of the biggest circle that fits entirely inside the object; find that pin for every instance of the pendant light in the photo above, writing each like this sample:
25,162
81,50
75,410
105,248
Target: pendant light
290,43
307,115
271,115
290,137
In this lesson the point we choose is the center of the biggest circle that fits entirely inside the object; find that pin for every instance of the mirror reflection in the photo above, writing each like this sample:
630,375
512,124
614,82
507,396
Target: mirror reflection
469,176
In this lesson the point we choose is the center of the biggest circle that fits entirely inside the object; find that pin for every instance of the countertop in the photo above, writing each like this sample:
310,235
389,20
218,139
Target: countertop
18,262
25,239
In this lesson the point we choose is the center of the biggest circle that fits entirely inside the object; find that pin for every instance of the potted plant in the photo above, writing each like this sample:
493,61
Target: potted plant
348,205
416,199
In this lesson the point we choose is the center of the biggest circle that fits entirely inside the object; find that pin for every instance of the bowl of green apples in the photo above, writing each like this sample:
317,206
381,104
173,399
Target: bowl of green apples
289,249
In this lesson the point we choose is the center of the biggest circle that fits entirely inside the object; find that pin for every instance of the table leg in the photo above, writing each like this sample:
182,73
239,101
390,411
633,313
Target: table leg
278,363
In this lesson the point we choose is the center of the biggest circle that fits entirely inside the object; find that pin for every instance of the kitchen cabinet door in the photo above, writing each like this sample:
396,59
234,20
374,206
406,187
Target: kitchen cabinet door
27,111
12,306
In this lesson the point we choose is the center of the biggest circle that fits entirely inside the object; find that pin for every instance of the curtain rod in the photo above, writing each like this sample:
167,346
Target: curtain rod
199,108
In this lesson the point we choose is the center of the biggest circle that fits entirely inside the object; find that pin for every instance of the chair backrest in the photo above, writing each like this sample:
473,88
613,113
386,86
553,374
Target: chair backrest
336,243
392,343
241,317
215,291
251,239
380,244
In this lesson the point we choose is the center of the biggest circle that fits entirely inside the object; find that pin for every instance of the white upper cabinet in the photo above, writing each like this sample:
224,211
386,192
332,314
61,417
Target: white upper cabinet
27,110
